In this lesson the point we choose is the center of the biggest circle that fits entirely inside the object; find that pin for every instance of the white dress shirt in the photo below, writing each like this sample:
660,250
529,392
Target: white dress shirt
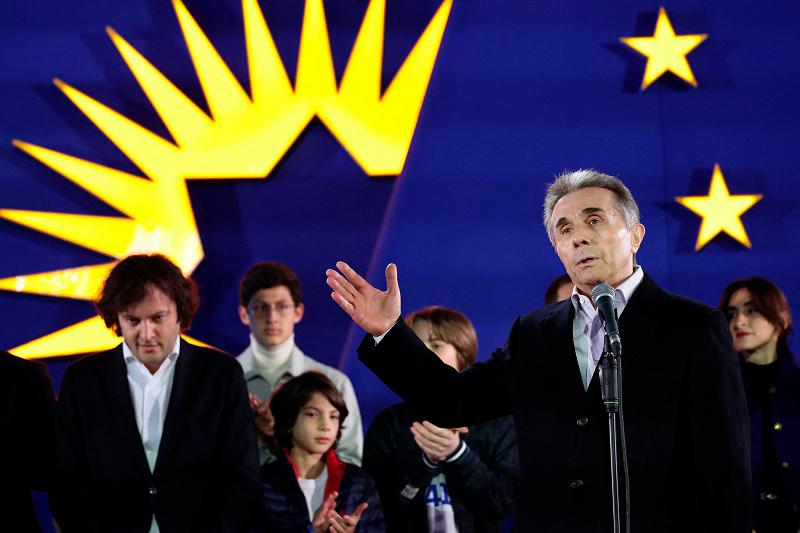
150,397
587,329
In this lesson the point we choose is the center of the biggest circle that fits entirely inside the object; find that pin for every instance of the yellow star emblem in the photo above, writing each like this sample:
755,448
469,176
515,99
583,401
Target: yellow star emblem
665,51
720,210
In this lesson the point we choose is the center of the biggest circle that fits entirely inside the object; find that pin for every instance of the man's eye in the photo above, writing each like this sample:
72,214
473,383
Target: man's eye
565,229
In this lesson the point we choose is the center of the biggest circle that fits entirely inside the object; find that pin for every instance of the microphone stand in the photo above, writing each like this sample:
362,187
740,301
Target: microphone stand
610,387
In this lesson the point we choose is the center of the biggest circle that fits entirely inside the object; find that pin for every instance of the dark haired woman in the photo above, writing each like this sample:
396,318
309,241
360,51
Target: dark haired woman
761,322
307,488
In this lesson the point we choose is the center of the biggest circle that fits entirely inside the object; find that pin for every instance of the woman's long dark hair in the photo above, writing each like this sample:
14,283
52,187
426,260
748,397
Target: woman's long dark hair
767,299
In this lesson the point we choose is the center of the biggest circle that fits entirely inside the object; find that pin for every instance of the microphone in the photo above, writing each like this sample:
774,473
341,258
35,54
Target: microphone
603,298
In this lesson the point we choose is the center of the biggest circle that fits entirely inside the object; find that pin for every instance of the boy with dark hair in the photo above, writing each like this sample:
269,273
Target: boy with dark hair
307,487
271,304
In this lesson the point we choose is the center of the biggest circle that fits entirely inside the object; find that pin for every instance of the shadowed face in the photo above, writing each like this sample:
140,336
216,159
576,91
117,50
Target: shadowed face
592,239
446,351
749,328
150,328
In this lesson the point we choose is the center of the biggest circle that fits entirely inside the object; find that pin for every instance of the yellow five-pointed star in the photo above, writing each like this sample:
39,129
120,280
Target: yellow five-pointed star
665,51
720,211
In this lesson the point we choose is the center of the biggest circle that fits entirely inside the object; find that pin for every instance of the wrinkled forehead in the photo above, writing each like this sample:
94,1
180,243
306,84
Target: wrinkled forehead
589,199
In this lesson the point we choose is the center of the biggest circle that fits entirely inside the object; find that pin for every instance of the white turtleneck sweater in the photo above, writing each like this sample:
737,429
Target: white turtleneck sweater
272,363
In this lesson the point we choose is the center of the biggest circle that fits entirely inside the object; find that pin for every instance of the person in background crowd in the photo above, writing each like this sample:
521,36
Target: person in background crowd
155,435
560,289
761,325
435,479
27,445
271,305
305,486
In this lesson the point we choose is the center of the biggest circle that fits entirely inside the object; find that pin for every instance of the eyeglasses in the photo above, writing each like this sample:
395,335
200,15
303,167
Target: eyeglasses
261,309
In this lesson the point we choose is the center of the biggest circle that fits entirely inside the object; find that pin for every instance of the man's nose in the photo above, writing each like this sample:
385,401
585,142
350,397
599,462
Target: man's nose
579,237
148,329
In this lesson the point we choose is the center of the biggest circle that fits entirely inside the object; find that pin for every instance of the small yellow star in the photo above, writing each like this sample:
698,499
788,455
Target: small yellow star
665,51
720,210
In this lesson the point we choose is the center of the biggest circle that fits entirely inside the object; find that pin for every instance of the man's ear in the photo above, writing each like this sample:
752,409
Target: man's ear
244,316
299,309
637,236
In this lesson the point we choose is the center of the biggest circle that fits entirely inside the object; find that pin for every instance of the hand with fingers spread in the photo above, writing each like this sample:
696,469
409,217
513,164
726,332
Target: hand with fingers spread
436,443
321,521
265,424
345,523
374,310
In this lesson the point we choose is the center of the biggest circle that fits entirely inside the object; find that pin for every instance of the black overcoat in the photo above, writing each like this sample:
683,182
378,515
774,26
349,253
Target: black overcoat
685,413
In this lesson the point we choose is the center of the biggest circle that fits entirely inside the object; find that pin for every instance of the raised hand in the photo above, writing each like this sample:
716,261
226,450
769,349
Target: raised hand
345,523
265,424
375,311
436,443
321,522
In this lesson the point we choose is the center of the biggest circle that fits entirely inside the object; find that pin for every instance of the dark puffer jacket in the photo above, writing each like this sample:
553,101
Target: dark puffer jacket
482,482
284,506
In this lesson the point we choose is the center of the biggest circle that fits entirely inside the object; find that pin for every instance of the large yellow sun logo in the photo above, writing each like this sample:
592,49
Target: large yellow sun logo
245,137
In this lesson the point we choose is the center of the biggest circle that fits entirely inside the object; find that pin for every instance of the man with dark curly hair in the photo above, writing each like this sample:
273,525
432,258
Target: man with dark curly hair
156,434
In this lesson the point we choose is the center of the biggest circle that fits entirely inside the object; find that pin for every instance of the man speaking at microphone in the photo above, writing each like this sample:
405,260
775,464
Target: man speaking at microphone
685,414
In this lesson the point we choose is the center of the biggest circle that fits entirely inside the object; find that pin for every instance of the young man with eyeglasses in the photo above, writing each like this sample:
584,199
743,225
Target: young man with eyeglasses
271,304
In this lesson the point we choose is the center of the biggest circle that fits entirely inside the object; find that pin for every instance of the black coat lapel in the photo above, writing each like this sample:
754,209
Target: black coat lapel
184,384
557,329
120,405
640,319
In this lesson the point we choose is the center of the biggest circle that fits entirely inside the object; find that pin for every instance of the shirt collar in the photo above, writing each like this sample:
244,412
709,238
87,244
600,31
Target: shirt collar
622,293
297,362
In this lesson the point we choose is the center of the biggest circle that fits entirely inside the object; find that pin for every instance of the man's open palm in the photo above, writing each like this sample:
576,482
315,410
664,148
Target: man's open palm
375,311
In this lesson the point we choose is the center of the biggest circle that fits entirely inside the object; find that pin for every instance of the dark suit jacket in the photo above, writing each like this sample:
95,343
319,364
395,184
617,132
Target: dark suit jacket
782,406
684,407
284,506
27,447
206,474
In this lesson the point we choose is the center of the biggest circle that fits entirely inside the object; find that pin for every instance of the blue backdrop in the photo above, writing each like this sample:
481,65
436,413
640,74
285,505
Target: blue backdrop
521,90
